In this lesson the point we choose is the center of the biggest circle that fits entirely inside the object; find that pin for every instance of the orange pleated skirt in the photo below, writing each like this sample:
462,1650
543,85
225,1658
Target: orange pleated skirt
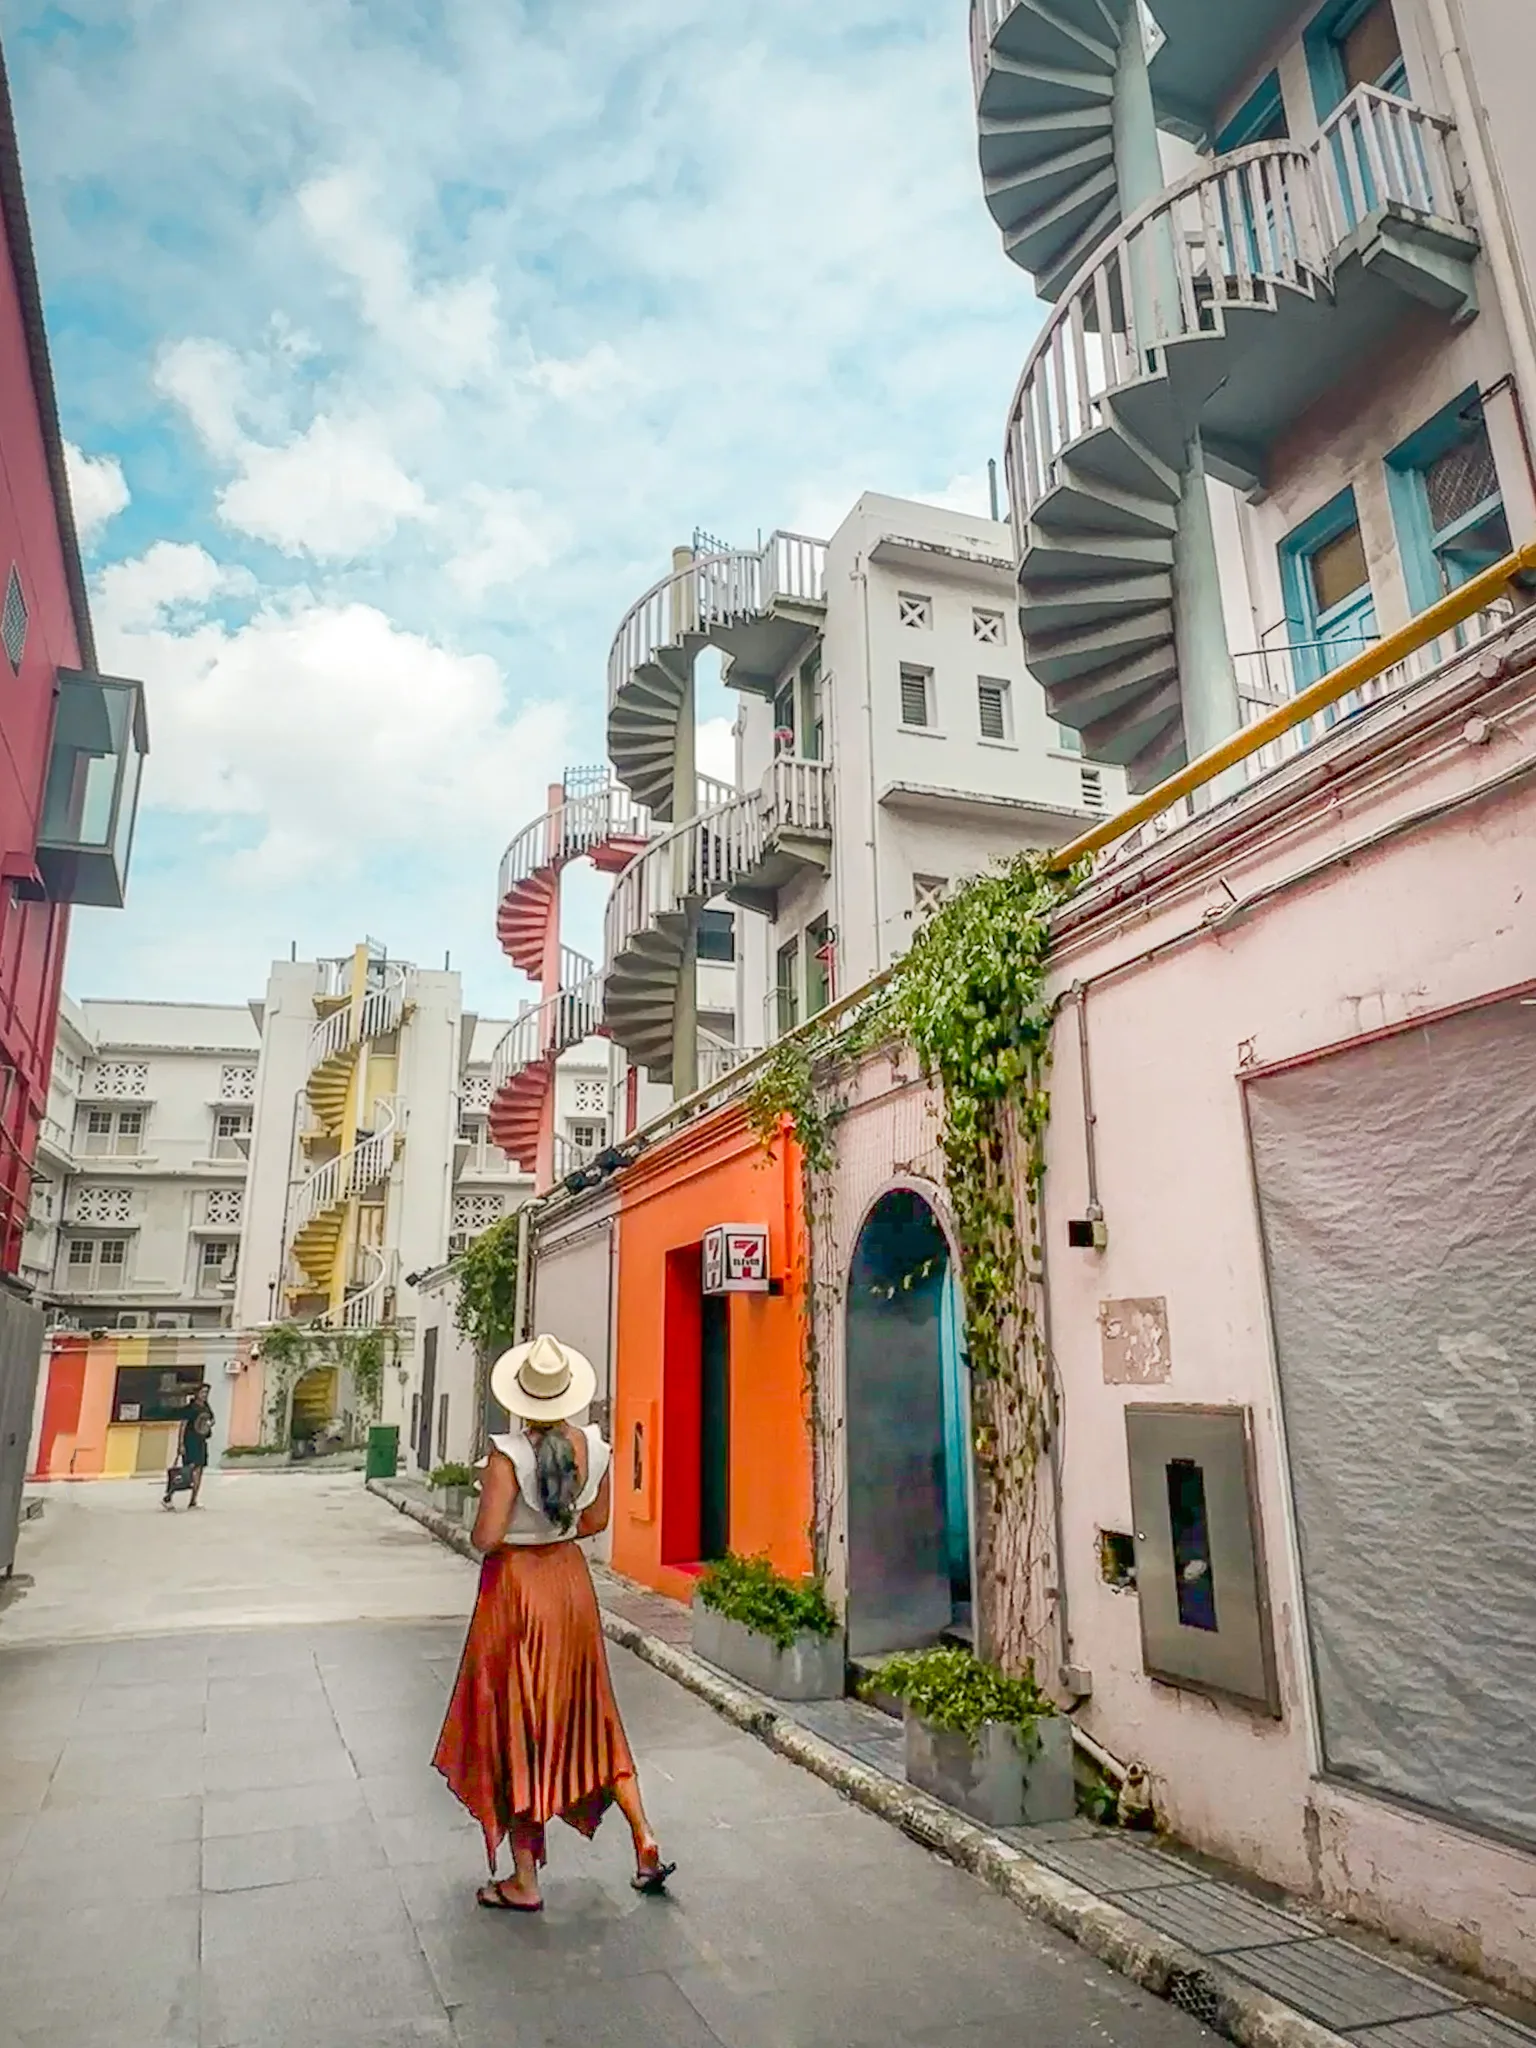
533,1732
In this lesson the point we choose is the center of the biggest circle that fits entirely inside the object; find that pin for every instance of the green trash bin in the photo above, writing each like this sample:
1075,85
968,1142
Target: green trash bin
383,1450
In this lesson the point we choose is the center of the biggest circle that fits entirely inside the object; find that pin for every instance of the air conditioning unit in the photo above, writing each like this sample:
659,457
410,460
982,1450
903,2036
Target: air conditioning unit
232,1367
173,1322
133,1319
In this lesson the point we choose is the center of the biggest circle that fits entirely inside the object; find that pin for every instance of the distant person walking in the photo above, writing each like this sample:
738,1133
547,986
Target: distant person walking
186,1475
533,1731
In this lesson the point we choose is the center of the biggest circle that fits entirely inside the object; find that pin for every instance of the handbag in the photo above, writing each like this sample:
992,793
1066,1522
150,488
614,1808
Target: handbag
178,1480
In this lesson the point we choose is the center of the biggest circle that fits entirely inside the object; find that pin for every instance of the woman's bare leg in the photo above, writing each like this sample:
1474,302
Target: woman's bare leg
626,1794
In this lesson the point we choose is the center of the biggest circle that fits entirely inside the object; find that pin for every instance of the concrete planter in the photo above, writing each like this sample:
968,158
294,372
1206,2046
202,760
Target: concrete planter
450,1500
1005,1779
812,1668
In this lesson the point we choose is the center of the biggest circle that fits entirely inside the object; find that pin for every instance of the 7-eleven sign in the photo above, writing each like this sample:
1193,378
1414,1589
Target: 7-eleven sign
736,1259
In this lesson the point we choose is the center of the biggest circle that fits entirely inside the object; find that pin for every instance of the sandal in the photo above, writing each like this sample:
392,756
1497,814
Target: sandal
652,1875
494,1898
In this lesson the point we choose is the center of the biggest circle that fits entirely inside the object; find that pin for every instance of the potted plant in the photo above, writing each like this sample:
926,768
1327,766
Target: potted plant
452,1485
994,1747
775,1634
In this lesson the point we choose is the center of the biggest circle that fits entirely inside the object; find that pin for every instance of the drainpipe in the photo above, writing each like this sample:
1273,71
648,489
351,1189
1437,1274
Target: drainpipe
1487,192
861,576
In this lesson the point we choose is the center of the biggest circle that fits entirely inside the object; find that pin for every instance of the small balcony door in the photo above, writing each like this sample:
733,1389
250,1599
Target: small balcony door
1330,607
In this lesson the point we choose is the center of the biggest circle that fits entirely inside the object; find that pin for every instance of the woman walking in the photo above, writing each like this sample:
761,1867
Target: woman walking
533,1731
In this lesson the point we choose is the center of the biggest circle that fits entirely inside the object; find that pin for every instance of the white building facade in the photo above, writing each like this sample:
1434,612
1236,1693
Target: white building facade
139,1201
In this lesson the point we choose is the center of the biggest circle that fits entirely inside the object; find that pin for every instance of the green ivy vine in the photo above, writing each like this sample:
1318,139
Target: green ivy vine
290,1350
969,998
486,1309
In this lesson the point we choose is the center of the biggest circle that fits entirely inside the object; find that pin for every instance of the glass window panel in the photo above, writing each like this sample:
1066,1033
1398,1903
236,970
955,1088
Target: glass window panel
1371,50
1338,569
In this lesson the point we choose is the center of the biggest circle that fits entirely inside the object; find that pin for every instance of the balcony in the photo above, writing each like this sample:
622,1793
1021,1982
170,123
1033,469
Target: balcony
91,797
760,607
1224,309
745,849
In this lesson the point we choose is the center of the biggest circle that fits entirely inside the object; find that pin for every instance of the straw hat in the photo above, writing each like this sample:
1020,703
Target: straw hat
544,1381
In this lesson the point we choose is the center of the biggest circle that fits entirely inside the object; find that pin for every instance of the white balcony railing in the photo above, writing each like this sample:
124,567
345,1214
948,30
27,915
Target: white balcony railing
586,821
716,1061
382,1010
1223,237
1376,148
545,1030
798,794
351,1173
369,1299
716,591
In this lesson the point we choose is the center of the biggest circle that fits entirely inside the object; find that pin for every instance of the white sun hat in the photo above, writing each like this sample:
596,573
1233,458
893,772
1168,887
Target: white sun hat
543,1381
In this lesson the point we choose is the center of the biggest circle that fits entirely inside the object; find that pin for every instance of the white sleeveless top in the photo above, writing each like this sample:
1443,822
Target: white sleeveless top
529,1523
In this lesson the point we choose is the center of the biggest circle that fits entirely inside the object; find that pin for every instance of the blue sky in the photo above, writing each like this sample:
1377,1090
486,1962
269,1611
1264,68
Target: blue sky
401,340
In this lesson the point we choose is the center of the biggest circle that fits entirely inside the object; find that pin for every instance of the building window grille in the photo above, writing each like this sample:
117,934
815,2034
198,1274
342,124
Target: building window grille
993,709
225,1206
916,696
914,611
1093,789
988,628
927,894
104,1205
237,1084
120,1077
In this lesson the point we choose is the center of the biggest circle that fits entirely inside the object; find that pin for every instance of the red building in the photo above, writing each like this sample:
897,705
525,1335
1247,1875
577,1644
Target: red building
71,741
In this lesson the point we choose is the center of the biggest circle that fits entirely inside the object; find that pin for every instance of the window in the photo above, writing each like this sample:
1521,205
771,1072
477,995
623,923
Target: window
97,1261
213,1257
987,627
787,986
586,1135
1353,43
916,696
811,725
717,936
784,719
1446,502
1068,741
995,708
914,611
818,966
231,1134
927,894
471,1129
113,1132
1330,612
13,620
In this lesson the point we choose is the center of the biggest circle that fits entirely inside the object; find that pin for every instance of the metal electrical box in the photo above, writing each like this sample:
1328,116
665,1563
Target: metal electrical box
1199,1553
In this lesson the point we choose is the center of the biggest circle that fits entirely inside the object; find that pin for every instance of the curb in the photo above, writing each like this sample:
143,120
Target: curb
1195,1983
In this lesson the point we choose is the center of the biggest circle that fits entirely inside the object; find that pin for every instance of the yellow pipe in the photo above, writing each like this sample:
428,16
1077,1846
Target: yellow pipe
1472,597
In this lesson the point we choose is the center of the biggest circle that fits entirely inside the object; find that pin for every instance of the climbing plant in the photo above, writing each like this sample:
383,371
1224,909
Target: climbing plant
289,1350
969,998
486,1309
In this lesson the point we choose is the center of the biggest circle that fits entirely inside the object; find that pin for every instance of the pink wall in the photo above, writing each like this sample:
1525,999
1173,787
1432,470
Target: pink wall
1435,918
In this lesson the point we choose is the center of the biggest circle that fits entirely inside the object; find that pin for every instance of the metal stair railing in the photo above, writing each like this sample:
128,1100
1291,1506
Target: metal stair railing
349,1173
545,1030
382,1010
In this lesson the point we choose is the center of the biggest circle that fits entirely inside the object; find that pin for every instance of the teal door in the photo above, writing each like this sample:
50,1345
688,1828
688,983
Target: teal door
715,1427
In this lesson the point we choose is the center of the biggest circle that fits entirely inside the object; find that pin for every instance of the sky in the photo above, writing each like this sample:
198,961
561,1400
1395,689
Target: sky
397,344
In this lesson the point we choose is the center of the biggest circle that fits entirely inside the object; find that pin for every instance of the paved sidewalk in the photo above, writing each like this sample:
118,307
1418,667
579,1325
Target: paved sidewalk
231,1838
1259,1972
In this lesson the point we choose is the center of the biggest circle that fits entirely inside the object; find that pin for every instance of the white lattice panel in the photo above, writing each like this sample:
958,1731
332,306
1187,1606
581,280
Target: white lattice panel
121,1077
476,1091
237,1084
477,1212
104,1205
225,1205
592,1098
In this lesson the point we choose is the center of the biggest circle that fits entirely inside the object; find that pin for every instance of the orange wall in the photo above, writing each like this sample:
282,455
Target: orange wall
712,1172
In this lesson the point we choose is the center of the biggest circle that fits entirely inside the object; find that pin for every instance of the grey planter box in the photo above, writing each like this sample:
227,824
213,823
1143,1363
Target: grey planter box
450,1501
812,1668
1005,1780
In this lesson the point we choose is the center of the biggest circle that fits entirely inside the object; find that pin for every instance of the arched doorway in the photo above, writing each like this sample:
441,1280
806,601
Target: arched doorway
908,1433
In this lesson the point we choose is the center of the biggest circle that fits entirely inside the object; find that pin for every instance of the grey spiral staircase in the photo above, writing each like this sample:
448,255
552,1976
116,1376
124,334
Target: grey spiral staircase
1188,337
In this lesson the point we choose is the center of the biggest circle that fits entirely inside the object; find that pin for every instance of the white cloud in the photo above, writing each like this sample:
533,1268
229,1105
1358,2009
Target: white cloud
508,535
342,740
208,381
453,329
332,492
967,494
97,488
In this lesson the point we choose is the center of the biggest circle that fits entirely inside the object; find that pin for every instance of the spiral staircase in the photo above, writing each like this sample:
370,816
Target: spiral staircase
320,1205
759,607
745,847
1213,317
595,820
